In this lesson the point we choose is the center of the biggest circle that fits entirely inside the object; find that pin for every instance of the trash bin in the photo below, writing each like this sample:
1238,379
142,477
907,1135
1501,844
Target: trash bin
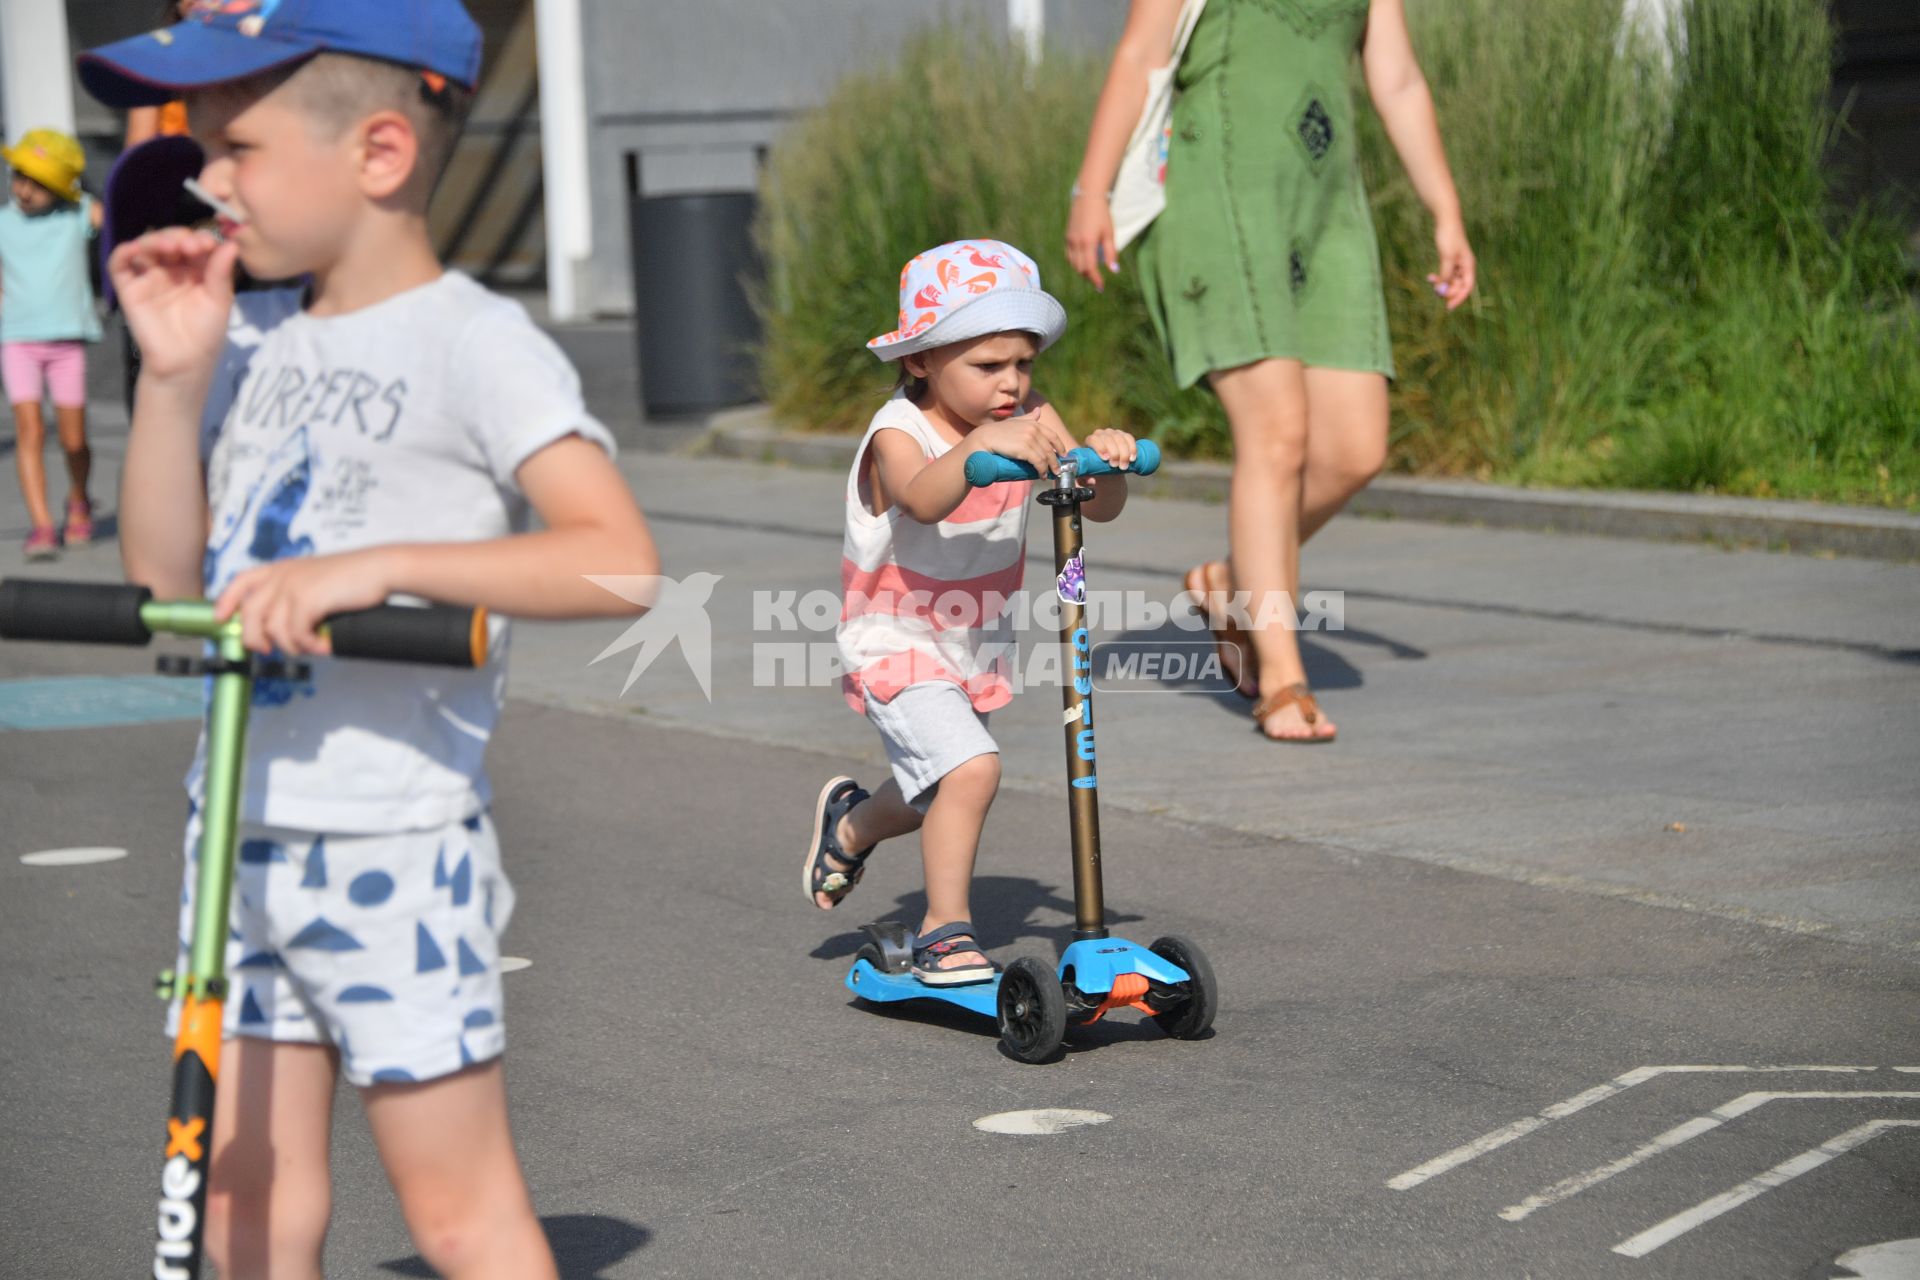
692,258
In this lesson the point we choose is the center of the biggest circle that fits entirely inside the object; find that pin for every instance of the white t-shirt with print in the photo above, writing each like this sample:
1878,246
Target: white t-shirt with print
401,422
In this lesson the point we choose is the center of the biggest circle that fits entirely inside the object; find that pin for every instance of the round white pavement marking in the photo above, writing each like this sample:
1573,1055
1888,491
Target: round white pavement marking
510,963
72,857
1043,1121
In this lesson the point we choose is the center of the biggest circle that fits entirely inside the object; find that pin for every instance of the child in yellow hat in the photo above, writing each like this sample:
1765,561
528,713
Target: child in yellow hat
46,316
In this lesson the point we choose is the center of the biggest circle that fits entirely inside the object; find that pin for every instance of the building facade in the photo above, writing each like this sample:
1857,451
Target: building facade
676,97
688,97
1877,82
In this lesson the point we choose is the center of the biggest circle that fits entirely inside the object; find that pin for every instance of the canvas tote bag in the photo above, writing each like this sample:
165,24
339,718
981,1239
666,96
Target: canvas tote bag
1140,188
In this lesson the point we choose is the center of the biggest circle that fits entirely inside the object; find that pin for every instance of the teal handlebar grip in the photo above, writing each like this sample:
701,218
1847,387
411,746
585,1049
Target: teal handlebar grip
991,468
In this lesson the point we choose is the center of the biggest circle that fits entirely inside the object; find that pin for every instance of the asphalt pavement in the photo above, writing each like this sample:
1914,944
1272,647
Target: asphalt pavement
1591,948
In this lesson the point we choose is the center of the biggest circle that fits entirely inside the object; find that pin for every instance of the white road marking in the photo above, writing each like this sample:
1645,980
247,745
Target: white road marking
1561,1110
1889,1260
72,857
1046,1120
1672,1138
1680,1223
509,964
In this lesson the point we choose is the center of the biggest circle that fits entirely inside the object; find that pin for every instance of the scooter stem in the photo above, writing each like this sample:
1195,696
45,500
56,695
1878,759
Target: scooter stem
203,987
1076,697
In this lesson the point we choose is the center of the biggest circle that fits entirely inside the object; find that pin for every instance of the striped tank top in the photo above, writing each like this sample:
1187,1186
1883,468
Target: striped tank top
924,603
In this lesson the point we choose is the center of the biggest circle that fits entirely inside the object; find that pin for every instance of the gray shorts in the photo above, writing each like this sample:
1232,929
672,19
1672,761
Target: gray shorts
929,731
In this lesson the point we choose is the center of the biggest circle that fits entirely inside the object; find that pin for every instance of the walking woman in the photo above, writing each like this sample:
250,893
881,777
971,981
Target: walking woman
1263,277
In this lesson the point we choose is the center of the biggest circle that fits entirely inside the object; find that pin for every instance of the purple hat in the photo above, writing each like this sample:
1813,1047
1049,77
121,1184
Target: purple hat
144,193
226,40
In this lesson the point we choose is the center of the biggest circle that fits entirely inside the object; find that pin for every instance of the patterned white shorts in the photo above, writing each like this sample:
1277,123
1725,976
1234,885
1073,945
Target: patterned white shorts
384,946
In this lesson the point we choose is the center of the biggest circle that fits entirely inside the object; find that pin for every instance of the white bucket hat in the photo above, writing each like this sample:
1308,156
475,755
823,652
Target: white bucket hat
969,289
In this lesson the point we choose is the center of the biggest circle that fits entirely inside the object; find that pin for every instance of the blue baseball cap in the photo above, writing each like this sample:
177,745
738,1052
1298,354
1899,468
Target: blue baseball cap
226,40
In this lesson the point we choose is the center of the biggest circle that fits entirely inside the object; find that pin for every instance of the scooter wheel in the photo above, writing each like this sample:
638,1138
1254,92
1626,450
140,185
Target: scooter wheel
1033,1011
1189,1019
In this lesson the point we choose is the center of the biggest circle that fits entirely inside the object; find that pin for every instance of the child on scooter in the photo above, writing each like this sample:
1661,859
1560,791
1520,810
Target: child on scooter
392,437
928,572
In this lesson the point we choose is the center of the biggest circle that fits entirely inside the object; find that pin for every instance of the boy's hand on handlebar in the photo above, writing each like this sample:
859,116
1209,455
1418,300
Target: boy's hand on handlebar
283,604
1037,439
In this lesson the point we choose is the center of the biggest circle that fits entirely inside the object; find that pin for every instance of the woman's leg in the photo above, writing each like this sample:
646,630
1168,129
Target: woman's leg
1266,404
449,1154
270,1196
1346,440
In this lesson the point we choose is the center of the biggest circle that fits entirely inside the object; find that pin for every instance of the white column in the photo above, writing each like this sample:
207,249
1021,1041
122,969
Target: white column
1027,22
37,66
1655,21
563,146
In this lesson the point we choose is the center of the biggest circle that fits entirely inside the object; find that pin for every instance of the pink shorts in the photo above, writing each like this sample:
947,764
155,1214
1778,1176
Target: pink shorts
31,368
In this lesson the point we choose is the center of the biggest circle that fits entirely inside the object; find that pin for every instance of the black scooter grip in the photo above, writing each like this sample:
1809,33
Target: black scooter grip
436,635
75,612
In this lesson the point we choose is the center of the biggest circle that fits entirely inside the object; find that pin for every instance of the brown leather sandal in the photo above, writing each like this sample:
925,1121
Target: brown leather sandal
1280,701
1226,632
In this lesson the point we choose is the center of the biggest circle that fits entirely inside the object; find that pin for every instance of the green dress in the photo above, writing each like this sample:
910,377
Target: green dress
1266,247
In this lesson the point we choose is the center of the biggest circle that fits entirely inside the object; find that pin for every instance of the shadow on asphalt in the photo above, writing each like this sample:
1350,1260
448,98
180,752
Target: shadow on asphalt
931,1013
106,528
1399,649
1122,1028
584,1244
1326,669
1004,907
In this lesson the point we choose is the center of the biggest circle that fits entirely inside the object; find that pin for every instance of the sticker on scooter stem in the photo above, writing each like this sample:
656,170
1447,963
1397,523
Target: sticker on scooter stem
1072,580
179,1192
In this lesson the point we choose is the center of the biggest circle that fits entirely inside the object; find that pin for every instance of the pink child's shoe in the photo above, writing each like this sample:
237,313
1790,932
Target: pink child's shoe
79,531
42,544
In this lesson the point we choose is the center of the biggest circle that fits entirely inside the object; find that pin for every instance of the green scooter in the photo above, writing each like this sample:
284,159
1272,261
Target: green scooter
91,613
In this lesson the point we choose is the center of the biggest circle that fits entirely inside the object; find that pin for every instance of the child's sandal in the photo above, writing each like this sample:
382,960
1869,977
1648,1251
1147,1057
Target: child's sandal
947,940
836,798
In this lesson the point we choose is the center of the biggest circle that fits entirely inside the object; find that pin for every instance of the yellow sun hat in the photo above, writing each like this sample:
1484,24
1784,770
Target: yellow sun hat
51,159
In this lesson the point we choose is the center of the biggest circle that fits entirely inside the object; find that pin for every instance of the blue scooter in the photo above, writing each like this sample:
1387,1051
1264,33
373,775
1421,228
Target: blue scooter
1035,1004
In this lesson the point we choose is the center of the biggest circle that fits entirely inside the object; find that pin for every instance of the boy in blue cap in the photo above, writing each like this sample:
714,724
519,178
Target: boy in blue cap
388,438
